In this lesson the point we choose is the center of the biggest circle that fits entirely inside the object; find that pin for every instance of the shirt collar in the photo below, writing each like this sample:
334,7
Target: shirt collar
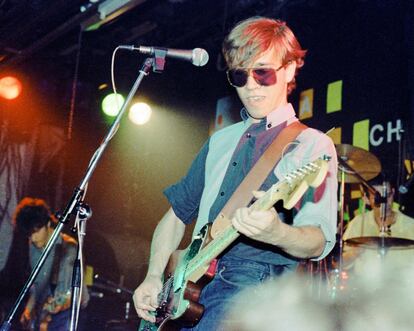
281,114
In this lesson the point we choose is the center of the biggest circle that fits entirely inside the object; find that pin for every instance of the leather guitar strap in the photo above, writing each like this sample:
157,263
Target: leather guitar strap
257,175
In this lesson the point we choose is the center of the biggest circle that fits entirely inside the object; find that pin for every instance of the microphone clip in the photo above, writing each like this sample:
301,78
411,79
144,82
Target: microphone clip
159,60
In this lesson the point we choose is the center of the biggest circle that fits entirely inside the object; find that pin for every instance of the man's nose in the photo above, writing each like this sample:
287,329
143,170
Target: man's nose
251,83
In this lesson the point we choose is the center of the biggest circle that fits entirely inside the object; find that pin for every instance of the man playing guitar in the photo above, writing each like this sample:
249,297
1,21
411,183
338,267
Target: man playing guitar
263,57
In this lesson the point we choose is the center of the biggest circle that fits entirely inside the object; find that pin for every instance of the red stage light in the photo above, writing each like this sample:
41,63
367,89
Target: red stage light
10,87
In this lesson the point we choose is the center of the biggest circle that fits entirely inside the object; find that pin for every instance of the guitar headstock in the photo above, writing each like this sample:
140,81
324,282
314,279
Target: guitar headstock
294,185
298,181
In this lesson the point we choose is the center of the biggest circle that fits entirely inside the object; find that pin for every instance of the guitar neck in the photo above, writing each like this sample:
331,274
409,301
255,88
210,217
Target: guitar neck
230,234
213,249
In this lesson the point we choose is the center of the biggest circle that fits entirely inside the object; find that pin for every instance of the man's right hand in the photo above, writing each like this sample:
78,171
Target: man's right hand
146,297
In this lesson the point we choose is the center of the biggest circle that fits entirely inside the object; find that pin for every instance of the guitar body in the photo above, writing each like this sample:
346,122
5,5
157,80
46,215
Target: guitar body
179,305
190,312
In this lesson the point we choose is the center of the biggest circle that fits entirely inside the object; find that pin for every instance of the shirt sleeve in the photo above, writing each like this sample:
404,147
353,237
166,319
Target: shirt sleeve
318,206
66,268
184,196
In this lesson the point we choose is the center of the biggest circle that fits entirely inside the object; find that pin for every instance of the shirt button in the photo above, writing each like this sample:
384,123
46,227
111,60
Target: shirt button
269,125
221,193
248,135
234,163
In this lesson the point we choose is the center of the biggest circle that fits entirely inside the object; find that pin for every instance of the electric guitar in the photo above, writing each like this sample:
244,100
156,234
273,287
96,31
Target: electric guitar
195,267
42,315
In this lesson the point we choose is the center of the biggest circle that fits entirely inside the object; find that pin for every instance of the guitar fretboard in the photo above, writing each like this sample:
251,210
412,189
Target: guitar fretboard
230,234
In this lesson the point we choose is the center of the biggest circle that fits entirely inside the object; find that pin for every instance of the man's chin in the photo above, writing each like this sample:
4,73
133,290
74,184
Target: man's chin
256,115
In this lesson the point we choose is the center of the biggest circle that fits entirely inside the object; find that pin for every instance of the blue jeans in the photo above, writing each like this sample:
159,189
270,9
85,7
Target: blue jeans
232,275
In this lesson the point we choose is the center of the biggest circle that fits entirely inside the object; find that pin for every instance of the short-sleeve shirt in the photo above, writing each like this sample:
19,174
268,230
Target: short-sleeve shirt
228,156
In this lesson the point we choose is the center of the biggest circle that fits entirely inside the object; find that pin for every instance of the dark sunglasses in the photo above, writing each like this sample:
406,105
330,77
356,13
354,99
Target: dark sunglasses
262,76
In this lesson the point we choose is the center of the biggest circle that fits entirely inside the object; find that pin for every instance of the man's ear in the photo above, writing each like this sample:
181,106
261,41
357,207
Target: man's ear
290,71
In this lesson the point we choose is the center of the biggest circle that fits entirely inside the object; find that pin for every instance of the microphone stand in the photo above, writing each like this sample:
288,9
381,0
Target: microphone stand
157,63
84,213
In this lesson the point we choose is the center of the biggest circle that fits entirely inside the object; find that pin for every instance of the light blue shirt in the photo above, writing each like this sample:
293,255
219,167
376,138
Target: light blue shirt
228,156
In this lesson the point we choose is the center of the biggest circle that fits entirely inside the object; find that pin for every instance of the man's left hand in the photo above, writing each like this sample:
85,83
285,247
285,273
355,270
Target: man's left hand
264,225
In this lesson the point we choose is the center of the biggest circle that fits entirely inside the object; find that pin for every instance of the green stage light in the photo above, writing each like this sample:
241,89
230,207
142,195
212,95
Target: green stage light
112,103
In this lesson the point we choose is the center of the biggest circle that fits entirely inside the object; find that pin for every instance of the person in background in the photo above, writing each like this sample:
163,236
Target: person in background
50,295
381,220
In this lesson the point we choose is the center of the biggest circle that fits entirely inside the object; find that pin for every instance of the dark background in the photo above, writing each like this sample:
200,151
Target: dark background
368,44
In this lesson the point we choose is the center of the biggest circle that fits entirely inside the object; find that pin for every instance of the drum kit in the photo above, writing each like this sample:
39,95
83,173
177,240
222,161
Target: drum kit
355,166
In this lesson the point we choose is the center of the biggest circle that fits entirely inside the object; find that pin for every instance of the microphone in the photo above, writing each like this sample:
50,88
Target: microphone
403,189
197,56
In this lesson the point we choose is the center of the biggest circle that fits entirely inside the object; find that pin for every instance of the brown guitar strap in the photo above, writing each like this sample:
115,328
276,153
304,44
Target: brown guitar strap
257,175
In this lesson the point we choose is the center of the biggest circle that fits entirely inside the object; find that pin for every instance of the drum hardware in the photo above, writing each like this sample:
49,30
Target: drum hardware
378,242
355,165
358,164
120,315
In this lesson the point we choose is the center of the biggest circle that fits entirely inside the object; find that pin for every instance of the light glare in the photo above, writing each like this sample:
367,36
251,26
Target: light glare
112,104
10,87
140,113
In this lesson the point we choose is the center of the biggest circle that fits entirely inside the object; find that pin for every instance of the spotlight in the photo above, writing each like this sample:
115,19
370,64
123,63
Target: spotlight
140,113
10,87
112,103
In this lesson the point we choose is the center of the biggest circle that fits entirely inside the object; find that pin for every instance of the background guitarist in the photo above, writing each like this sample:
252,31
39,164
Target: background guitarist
50,296
263,57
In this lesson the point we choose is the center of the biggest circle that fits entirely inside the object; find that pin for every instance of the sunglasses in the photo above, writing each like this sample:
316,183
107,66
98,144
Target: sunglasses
262,76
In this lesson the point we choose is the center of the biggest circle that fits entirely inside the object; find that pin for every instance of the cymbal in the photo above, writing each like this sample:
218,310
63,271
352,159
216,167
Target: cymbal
366,164
378,242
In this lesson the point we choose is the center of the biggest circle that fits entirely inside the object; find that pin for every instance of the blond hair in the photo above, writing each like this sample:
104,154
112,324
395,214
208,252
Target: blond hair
254,36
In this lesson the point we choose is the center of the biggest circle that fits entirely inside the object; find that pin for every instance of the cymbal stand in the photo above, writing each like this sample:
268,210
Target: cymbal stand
344,167
337,277
341,218
383,216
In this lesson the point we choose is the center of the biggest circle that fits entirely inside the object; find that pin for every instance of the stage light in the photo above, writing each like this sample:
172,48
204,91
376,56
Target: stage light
112,103
140,113
10,87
